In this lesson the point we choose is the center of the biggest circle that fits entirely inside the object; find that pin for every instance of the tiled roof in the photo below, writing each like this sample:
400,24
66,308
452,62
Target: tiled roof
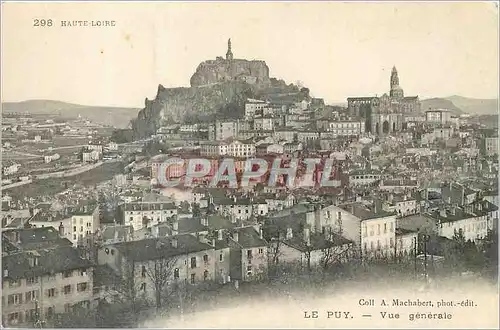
158,248
36,238
248,237
51,261
148,206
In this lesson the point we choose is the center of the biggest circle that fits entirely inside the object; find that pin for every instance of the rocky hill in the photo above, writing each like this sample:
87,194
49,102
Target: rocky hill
204,102
221,70
190,104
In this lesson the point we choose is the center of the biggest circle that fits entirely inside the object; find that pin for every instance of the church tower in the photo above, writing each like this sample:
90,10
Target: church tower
396,91
229,54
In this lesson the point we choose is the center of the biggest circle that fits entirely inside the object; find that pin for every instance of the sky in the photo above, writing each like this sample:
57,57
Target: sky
336,49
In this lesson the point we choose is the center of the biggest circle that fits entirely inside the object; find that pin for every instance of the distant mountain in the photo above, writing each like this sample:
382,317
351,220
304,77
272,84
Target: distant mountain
440,103
112,116
475,106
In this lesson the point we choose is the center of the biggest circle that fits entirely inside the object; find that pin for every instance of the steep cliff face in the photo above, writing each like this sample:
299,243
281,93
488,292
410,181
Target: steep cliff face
192,104
221,70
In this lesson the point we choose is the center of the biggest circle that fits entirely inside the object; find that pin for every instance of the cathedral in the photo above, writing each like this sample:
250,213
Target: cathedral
385,114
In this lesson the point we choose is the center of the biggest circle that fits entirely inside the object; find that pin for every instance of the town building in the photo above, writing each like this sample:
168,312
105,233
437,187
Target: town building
438,116
41,282
234,148
145,214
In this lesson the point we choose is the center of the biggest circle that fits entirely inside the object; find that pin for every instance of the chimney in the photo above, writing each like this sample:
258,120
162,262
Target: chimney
175,227
234,199
453,210
61,229
289,233
116,233
174,242
261,232
442,212
235,236
213,242
307,236
219,234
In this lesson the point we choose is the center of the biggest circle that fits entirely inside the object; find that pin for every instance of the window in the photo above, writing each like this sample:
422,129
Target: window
31,280
67,308
385,228
14,284
193,277
15,299
67,273
371,231
74,228
205,275
249,254
81,228
30,315
205,258
176,273
378,229
221,256
31,295
261,251
193,262
67,289
143,271
249,270
392,227
14,318
74,237
143,287
392,242
51,292
81,287
89,224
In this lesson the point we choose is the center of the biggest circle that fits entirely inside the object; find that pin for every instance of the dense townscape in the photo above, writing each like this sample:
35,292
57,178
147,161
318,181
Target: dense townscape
91,238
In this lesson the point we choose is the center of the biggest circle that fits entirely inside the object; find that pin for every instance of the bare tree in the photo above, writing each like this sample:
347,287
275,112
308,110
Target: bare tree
160,272
334,253
125,294
307,254
275,250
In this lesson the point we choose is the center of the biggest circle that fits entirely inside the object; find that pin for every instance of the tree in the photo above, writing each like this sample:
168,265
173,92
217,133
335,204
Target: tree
275,250
334,252
127,293
159,272
196,210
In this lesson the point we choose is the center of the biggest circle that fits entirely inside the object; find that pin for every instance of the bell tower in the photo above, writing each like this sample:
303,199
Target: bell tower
229,53
396,91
